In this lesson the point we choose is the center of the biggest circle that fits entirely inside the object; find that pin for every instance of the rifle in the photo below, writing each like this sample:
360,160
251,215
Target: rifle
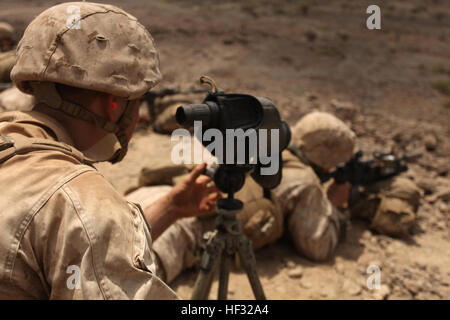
382,166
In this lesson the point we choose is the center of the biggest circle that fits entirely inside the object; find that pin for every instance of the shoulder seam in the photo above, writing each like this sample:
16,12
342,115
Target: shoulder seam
89,233
28,218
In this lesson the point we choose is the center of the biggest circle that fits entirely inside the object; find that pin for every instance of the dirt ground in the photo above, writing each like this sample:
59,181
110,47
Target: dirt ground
392,86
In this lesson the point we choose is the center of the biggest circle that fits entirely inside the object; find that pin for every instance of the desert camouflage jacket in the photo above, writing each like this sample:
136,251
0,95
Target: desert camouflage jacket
65,232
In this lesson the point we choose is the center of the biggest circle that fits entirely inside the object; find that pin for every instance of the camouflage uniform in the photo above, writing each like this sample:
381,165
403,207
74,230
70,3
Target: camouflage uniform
58,214
390,206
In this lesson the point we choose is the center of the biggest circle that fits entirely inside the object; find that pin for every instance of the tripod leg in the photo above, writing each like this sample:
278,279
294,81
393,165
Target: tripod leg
248,261
203,285
224,275
207,269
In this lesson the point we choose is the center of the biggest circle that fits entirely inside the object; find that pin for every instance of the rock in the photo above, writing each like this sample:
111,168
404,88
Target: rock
362,269
430,142
443,194
344,110
328,291
391,250
366,235
374,239
343,36
307,283
382,293
304,9
441,225
444,292
413,286
384,241
339,267
421,266
433,269
311,35
290,264
377,263
427,185
312,97
351,287
443,207
426,296
228,42
295,273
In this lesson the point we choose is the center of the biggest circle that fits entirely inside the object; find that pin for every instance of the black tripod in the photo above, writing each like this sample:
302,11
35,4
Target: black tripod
227,239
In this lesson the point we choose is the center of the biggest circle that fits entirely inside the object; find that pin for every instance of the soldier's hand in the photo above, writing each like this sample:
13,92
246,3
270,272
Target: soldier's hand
191,197
194,195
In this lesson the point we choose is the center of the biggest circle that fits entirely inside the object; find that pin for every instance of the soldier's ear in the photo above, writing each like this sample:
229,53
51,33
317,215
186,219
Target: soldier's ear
112,109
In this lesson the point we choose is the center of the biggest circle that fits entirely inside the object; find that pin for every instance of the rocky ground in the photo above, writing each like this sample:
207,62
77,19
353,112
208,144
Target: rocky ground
391,85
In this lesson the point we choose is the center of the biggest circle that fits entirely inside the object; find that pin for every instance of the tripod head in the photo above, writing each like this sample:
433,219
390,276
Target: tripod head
229,178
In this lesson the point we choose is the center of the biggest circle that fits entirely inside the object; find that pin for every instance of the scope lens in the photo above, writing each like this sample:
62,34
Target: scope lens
187,115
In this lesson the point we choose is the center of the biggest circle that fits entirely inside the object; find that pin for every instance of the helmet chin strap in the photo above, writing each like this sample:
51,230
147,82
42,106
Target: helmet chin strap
123,123
46,93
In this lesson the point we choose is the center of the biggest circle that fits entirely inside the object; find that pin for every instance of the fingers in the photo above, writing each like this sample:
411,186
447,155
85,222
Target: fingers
203,180
212,189
208,205
216,196
208,208
198,170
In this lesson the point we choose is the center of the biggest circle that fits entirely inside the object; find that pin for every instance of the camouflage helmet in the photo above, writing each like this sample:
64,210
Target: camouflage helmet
6,31
324,139
88,45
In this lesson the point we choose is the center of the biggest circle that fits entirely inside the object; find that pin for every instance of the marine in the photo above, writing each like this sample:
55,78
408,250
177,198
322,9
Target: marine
57,212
